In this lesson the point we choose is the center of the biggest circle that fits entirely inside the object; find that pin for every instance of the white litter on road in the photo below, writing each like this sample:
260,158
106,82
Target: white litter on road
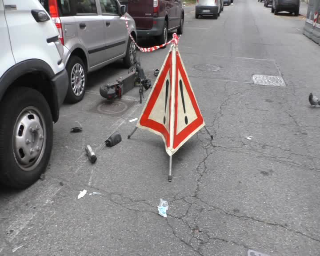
254,253
133,120
82,194
163,207
95,193
249,138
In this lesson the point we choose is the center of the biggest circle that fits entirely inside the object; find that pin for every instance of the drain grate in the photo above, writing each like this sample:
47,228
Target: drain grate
268,80
113,108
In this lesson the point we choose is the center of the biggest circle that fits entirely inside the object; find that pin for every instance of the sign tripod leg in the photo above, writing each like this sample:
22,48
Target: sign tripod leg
129,136
170,170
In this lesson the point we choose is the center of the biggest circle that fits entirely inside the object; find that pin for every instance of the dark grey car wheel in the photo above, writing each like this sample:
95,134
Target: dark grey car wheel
26,132
131,54
77,79
163,38
180,29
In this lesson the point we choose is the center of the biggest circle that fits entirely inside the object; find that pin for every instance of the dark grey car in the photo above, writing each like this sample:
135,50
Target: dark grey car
266,3
291,6
208,8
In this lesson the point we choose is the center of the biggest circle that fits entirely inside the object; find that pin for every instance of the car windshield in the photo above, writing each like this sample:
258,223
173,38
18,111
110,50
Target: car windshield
206,2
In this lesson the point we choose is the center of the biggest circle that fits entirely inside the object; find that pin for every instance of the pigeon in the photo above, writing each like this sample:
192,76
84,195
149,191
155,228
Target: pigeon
313,100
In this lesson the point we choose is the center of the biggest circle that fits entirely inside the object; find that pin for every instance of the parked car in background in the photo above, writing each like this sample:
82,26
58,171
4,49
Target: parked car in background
291,6
155,18
94,34
33,85
208,8
267,3
227,2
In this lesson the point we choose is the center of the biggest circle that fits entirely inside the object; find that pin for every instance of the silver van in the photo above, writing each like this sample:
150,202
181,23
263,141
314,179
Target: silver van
94,33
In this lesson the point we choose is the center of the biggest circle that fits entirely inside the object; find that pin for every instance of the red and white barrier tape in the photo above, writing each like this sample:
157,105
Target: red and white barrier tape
315,19
174,40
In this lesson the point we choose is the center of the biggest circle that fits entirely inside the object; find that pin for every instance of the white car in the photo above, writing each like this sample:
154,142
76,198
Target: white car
33,85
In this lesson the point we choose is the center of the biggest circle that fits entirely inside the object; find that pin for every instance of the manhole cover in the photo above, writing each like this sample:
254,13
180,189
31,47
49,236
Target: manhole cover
268,80
115,108
207,67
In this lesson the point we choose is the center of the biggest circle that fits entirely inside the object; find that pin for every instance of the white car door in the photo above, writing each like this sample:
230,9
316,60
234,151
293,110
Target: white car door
23,27
115,28
6,56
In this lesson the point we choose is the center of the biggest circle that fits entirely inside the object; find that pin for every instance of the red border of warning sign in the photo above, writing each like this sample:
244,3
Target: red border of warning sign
145,121
191,128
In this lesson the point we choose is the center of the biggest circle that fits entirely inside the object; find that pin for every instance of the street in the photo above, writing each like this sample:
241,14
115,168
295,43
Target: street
255,186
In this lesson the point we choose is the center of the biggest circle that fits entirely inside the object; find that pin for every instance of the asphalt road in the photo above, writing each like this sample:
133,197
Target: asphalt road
254,187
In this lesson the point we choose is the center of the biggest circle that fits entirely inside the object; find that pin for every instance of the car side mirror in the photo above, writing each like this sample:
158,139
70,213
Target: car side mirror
123,9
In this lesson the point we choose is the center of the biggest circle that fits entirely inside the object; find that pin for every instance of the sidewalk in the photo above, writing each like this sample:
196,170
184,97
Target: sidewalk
303,8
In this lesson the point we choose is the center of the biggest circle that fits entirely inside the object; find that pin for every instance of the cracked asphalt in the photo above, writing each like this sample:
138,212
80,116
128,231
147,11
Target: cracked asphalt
255,186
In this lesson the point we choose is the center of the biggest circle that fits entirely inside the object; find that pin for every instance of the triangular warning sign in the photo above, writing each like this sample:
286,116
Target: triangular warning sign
172,110
156,113
188,118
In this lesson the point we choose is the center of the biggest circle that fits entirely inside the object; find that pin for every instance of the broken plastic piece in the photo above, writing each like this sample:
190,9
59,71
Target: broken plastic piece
82,193
249,138
76,129
91,155
156,72
113,140
163,207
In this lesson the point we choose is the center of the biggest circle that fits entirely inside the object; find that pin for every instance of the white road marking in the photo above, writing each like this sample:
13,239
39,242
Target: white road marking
91,176
17,248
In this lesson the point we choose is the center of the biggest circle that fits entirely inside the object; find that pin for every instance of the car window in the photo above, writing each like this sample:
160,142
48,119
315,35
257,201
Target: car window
109,7
63,5
86,6
206,2
45,4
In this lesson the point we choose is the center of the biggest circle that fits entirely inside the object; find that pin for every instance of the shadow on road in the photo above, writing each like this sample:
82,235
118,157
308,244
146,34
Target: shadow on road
8,192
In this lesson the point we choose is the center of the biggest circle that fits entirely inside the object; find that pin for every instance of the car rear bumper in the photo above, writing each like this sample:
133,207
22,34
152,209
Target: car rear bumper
207,10
287,7
60,83
156,30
